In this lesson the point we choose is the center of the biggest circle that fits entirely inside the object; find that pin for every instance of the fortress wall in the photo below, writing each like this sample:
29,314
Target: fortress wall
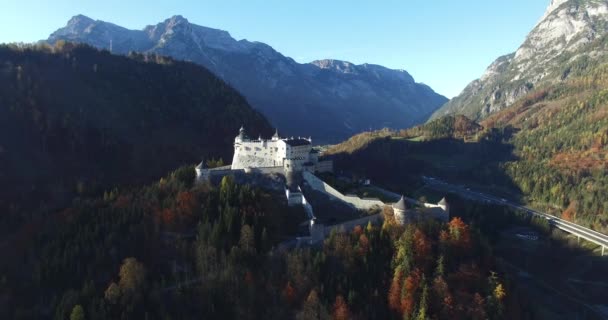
269,170
324,166
320,185
242,161
364,204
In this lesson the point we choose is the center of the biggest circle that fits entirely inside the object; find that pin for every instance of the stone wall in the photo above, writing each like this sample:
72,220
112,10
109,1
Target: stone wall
356,202
324,166
258,153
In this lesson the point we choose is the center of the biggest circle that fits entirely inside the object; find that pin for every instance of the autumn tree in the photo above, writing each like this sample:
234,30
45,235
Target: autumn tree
132,276
422,248
409,293
289,293
312,308
394,293
459,233
340,309
112,293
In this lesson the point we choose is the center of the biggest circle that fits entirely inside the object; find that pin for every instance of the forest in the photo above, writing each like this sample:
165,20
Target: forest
549,150
75,121
174,250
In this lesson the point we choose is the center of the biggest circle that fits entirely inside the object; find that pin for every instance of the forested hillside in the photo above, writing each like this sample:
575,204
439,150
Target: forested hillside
550,148
174,250
562,146
75,120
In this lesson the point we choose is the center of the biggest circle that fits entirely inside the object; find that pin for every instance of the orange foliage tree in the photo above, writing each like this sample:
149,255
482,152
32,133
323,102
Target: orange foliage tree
459,233
394,292
340,309
410,286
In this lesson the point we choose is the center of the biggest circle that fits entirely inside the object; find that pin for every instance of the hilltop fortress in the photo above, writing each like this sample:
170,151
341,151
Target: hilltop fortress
296,162
292,154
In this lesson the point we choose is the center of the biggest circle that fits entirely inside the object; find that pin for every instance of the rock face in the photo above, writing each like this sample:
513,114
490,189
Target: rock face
330,99
570,33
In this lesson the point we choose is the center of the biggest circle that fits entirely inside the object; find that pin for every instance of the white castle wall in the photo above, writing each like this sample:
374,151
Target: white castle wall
320,185
258,153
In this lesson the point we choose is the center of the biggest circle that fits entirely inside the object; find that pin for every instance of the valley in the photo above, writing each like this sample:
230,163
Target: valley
179,171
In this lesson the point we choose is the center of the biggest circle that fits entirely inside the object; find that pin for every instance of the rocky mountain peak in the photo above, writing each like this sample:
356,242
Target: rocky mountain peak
566,25
336,65
177,19
552,6
80,20
569,30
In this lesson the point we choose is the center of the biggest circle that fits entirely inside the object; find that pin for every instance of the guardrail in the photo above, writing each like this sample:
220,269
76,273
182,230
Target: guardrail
564,225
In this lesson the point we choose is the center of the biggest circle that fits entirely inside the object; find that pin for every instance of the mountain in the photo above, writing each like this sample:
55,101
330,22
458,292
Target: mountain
570,35
76,120
328,99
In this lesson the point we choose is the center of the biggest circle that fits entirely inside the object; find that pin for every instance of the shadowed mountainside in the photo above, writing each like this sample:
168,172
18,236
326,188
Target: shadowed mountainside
76,120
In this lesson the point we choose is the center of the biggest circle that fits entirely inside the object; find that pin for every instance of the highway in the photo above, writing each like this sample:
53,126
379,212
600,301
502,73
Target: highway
572,228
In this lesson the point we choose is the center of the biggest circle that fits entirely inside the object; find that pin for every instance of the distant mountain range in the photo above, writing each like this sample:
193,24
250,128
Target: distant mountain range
570,36
329,99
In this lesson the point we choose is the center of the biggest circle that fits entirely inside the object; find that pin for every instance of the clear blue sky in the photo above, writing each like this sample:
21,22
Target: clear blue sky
443,43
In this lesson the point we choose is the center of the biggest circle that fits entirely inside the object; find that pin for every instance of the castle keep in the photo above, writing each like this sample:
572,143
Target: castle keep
293,154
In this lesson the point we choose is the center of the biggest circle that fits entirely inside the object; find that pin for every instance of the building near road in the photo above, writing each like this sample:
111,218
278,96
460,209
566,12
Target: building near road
404,215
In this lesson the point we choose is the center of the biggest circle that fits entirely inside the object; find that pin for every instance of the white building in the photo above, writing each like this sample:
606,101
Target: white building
293,154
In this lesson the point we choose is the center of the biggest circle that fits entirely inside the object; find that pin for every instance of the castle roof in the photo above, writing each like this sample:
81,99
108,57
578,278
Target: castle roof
400,205
276,133
297,142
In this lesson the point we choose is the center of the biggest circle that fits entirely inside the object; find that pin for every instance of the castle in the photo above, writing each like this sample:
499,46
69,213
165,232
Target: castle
293,154
298,161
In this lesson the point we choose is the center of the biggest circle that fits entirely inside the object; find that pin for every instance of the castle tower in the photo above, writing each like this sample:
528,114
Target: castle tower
276,137
399,210
242,136
443,204
199,168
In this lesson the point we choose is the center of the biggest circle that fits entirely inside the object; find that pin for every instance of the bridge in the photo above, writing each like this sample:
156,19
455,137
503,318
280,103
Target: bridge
564,225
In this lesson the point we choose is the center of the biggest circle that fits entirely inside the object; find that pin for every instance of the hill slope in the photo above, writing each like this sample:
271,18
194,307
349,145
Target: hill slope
550,148
75,119
328,99
570,35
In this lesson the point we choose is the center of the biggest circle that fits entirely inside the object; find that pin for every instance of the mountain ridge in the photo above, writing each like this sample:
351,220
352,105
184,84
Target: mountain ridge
328,98
568,32
77,120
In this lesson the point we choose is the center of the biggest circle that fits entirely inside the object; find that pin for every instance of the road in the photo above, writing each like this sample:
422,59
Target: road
567,226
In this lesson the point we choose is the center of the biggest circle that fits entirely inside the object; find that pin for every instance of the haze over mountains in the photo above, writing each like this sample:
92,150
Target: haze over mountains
330,99
570,36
